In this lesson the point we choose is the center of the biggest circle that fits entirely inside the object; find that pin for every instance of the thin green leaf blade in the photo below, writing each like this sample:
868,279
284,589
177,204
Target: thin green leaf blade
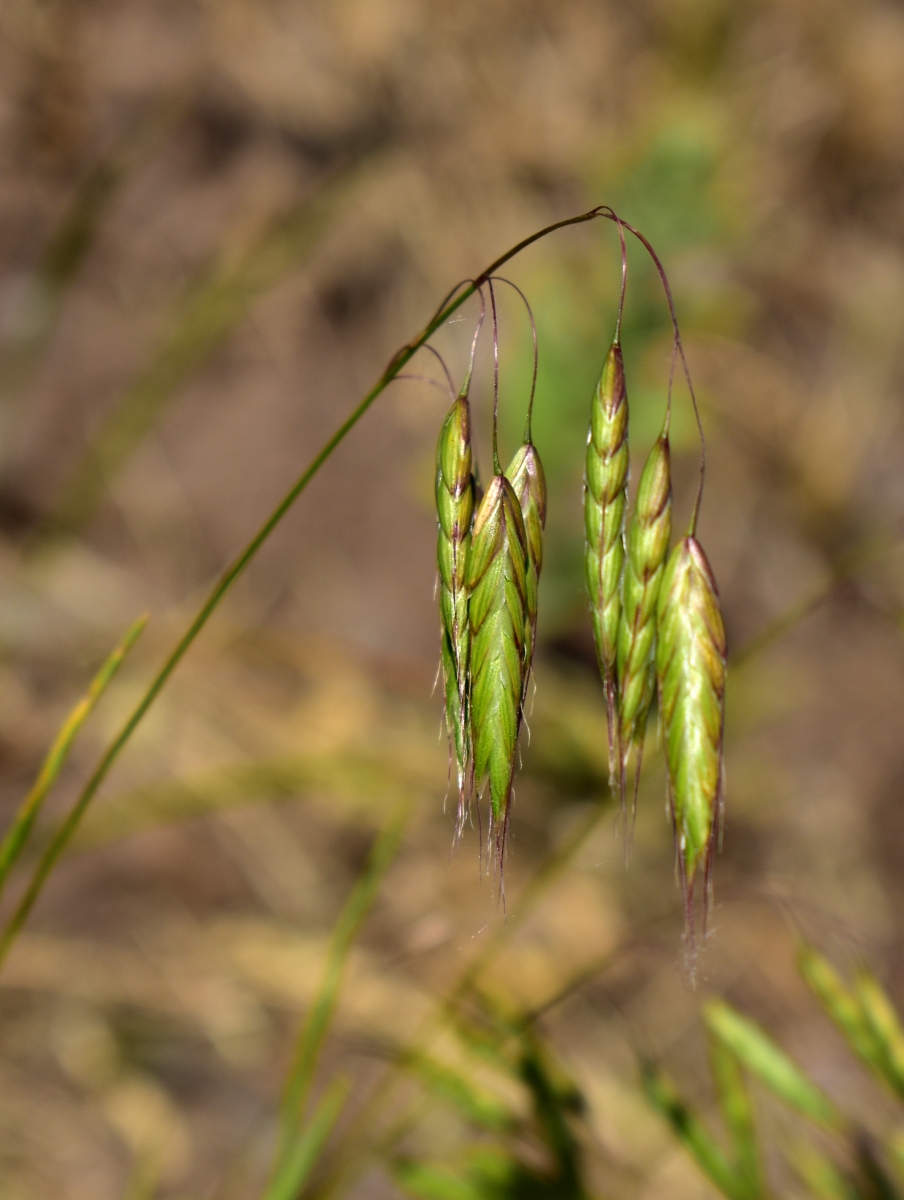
693,1135
23,822
737,1109
304,1153
843,1008
314,1030
772,1066
425,1181
883,1023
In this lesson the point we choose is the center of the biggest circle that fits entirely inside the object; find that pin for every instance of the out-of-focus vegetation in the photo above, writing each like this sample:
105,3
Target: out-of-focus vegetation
217,221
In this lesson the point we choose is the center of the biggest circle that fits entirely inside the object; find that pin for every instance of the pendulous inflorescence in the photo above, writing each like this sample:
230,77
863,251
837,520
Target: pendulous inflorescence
655,616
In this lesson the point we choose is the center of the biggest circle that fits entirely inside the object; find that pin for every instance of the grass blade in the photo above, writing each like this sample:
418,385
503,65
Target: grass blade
313,1032
737,1110
426,1182
883,1024
23,822
759,1054
304,1152
693,1135
819,1173
843,1008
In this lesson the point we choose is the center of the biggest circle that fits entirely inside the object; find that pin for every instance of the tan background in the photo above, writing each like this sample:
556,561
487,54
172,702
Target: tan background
217,221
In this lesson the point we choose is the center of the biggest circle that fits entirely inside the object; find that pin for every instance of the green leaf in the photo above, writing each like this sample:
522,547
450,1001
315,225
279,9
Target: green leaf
760,1055
24,820
842,1007
302,1154
693,1135
31,805
427,1182
450,1085
737,1109
817,1172
310,1040
883,1025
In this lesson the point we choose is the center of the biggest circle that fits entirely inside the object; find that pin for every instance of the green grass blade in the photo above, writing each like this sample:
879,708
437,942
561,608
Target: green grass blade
313,1032
818,1173
759,1054
737,1109
426,1182
693,1135
305,1150
884,1025
396,364
475,1105
844,1009
17,834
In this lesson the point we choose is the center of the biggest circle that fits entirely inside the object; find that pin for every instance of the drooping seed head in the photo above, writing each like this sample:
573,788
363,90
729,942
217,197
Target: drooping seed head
455,510
690,668
649,532
497,586
605,495
525,473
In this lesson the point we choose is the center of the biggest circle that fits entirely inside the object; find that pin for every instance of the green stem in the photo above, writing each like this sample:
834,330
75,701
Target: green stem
395,365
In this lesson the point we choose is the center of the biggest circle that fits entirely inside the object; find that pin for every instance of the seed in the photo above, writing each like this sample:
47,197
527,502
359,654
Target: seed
605,494
649,531
525,473
497,585
690,667
455,510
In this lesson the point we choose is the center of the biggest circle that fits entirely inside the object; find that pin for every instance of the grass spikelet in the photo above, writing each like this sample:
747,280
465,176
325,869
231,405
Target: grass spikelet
605,495
497,584
525,473
690,667
455,510
647,546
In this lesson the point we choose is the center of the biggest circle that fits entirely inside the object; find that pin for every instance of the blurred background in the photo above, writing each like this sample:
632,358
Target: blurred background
218,220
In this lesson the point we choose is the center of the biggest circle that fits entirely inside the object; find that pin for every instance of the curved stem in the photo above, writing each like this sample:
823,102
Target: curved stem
624,278
528,439
611,215
399,360
497,468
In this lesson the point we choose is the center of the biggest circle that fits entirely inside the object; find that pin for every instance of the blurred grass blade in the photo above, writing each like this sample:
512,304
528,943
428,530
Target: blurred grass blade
737,1109
313,1032
845,1010
204,316
818,1173
476,1105
759,1054
304,1152
692,1134
883,1023
426,1182
17,834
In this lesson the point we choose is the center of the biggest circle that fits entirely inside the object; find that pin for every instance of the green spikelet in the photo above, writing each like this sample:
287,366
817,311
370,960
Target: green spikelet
455,510
525,473
690,668
497,585
605,494
649,532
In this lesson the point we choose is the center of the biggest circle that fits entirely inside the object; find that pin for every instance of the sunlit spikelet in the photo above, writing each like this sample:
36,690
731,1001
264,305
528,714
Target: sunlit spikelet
525,473
647,547
497,584
605,494
455,510
690,668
